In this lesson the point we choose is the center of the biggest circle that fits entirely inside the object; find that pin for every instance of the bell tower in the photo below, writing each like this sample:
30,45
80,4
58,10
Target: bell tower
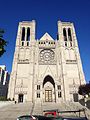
26,33
70,59
22,67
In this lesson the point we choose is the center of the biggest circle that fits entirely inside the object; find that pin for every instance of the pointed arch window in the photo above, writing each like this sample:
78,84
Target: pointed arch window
69,34
28,34
23,34
64,34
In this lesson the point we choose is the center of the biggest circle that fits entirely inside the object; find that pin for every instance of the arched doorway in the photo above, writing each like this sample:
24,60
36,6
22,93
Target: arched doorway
20,98
49,89
75,97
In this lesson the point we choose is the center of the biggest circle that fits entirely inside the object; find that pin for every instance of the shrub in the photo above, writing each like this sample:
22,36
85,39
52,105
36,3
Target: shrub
3,98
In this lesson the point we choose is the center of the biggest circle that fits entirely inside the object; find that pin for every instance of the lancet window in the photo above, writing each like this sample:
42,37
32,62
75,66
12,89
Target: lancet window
64,34
23,34
69,34
28,34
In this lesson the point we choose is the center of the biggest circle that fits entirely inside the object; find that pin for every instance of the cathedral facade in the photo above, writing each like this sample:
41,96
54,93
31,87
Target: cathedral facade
46,70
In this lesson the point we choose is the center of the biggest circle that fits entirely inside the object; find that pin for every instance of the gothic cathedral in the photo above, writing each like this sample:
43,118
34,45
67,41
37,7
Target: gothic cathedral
46,70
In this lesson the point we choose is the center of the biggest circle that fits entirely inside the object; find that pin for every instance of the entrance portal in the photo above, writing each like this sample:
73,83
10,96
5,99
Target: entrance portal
48,95
20,98
49,89
75,97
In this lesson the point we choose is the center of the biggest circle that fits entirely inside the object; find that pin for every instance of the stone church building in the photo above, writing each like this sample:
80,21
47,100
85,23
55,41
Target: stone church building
46,70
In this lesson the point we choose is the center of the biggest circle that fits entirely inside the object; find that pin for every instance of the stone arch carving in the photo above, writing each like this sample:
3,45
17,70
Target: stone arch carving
49,93
48,78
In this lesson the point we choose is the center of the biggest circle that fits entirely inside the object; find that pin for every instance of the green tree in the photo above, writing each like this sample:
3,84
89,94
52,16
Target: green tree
3,43
84,89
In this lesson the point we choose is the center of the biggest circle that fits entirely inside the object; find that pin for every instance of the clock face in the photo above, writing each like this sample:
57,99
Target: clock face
46,55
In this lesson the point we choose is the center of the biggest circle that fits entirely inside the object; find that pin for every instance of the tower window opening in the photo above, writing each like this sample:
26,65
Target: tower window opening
22,43
23,34
28,34
27,43
64,34
59,95
66,44
69,34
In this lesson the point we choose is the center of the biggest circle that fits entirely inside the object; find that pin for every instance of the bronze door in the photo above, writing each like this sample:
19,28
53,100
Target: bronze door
48,95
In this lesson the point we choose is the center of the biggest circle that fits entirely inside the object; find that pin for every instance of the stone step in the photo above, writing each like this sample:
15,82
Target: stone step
37,109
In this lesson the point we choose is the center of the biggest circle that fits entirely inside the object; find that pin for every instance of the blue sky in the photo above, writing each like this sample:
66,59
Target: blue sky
46,13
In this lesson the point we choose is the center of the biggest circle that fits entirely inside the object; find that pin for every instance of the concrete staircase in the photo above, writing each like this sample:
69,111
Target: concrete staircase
87,111
37,109
64,106
12,111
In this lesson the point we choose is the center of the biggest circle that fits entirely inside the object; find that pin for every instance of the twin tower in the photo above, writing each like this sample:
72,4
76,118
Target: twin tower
46,70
